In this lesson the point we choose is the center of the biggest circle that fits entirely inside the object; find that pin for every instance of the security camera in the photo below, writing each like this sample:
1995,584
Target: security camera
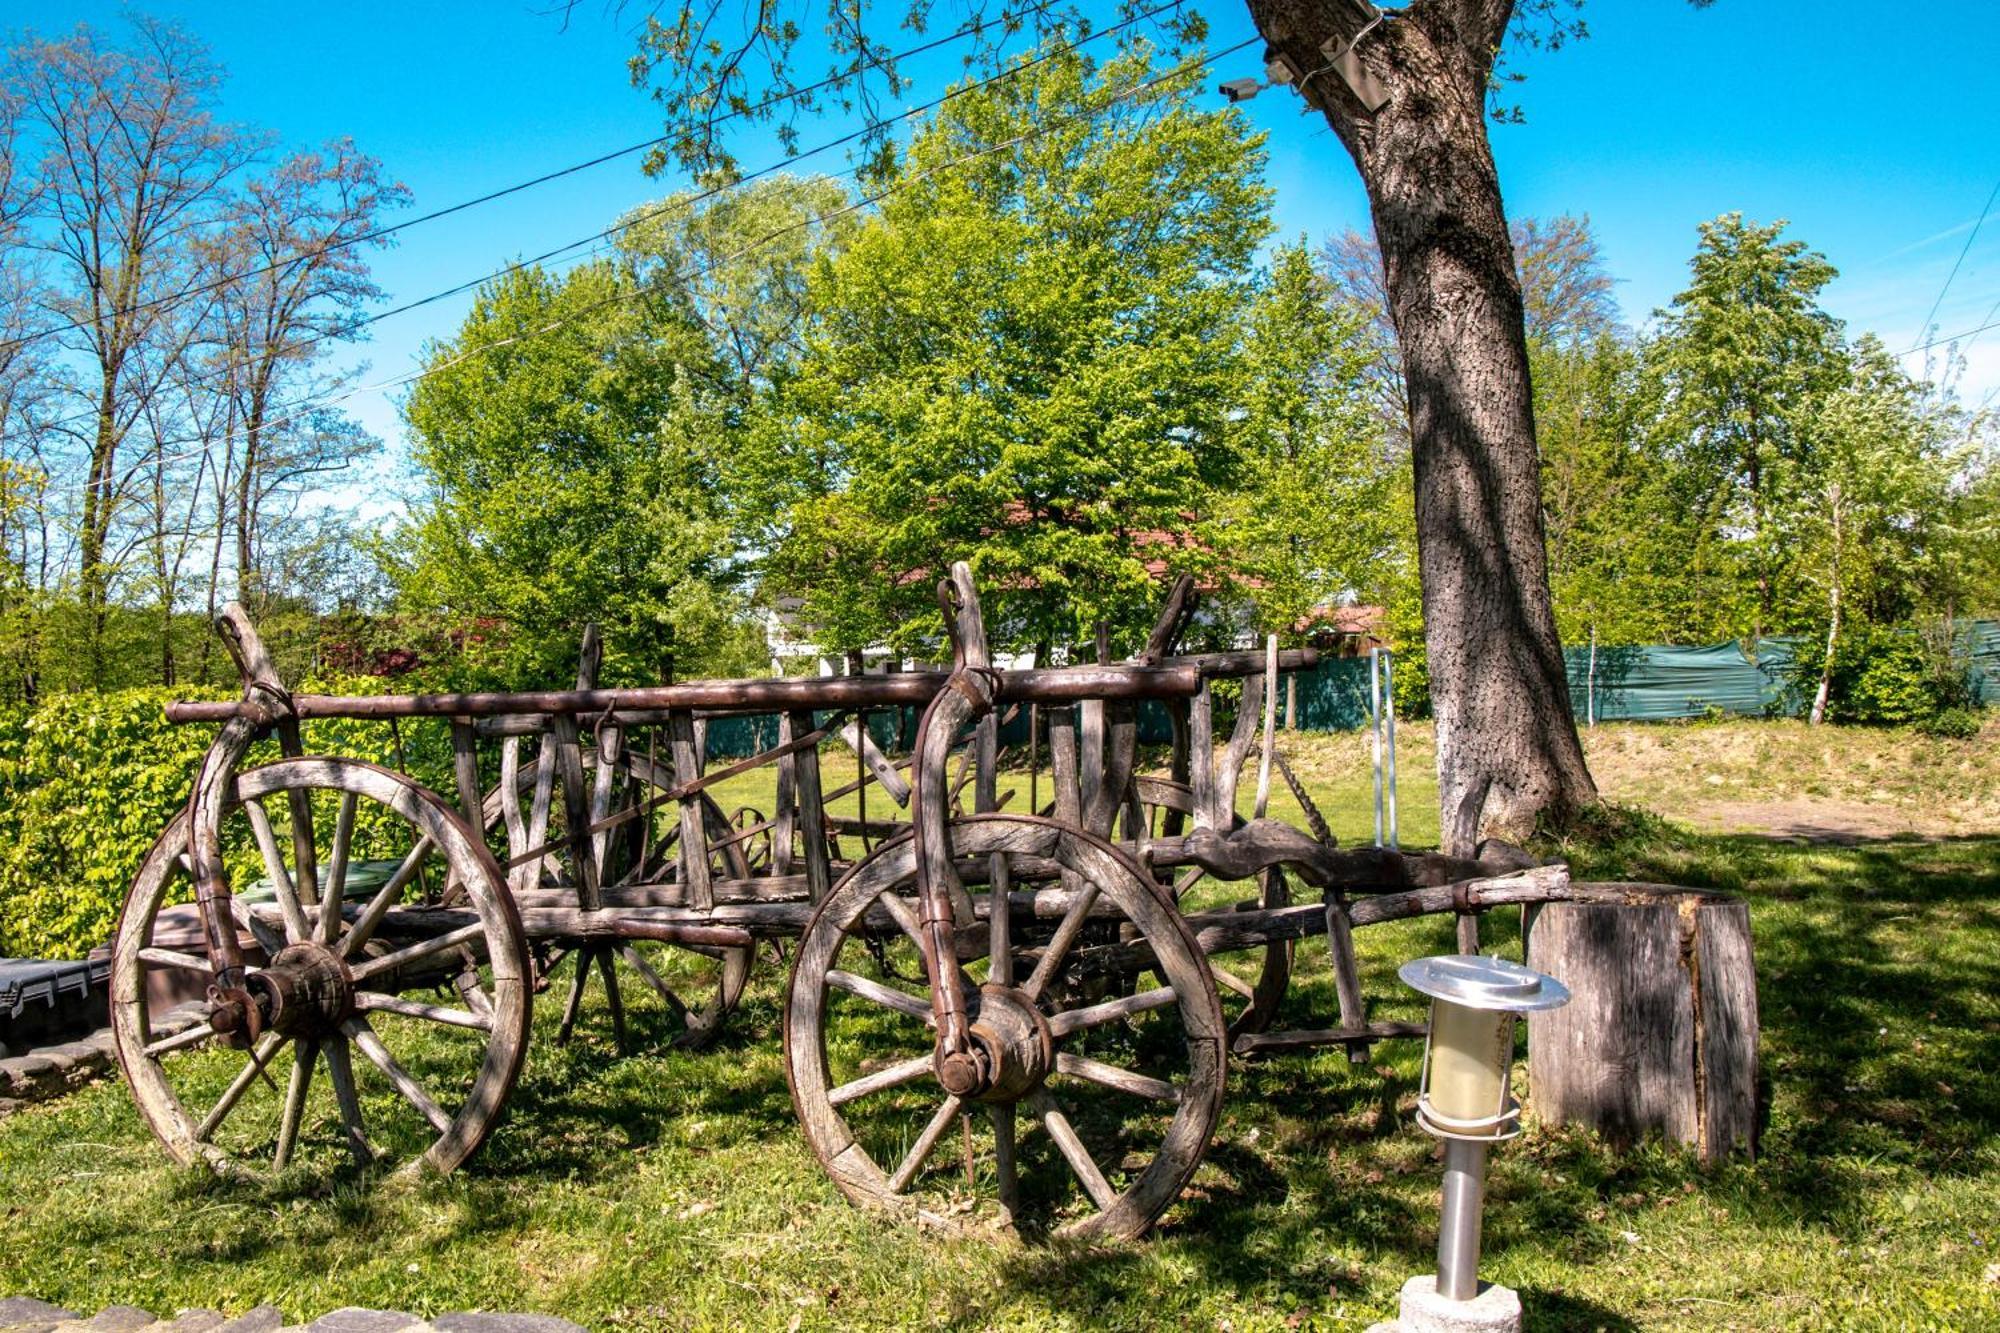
1241,90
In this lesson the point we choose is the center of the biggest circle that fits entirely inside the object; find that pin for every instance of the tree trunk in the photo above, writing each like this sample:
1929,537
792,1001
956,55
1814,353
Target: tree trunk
1660,1034
98,494
1507,746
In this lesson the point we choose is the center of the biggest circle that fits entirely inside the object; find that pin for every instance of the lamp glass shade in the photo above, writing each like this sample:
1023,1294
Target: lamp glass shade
1470,1053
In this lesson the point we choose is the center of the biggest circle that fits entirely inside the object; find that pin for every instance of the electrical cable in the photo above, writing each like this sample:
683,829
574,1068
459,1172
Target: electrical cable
853,206
379,233
683,203
1966,249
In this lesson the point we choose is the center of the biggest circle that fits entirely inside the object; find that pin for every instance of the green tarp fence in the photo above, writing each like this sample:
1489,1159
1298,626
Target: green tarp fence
1644,683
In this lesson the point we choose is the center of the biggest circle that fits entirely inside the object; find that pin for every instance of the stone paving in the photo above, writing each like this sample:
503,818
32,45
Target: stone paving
21,1314
50,1071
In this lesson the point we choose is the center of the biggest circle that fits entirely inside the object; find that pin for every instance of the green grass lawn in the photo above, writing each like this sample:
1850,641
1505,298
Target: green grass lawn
673,1189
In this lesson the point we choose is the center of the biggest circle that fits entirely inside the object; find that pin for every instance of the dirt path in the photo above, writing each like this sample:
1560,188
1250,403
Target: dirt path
1840,823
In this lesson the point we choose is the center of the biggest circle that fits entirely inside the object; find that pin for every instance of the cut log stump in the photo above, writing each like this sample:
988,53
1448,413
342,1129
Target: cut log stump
1661,1034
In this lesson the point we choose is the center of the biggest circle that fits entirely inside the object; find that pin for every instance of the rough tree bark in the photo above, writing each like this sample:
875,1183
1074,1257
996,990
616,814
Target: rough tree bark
1507,745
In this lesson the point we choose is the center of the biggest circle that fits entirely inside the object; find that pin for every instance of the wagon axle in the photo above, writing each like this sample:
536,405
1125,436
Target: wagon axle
1013,1050
306,991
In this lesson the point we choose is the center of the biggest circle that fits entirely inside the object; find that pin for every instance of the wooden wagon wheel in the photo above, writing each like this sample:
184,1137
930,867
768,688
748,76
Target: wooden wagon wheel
441,1019
699,985
751,831
1126,1091
1253,989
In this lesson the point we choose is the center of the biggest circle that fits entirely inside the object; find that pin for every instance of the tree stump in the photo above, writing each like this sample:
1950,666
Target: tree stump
1662,1031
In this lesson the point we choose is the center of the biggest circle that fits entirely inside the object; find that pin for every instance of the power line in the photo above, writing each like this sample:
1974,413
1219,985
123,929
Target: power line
379,233
1988,323
685,203
1925,327
854,206
1954,337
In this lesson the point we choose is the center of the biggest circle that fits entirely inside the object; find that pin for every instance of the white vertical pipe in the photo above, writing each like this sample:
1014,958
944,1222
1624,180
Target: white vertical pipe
1389,711
1270,724
1590,687
1375,721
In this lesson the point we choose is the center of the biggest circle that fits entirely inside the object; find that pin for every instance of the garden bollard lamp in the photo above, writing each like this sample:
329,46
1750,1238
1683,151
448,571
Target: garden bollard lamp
1464,1097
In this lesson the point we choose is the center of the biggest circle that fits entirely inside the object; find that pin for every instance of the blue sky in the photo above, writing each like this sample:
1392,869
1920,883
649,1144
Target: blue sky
1872,129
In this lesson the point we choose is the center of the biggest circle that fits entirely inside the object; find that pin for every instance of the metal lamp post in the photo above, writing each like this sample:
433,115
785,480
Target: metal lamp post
1464,1100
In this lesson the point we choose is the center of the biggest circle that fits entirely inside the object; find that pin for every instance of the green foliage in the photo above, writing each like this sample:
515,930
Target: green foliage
1884,676
1410,680
569,443
1748,470
1320,508
89,780
1027,359
1956,724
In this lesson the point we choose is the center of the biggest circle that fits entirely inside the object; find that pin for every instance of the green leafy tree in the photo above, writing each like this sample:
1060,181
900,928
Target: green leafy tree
1744,356
1026,359
567,441
743,261
1321,507
1867,523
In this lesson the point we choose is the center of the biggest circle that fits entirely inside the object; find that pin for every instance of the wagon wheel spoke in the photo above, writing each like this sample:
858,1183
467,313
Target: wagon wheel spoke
1059,944
340,1072
270,941
174,958
296,929
999,923
882,1079
377,1002
330,899
579,981
1056,1121
1006,1164
613,1000
304,1054
385,897
193,1036
927,1141
1111,1076
916,1006
370,1045
1111,1011
1231,981
400,958
260,1055
647,973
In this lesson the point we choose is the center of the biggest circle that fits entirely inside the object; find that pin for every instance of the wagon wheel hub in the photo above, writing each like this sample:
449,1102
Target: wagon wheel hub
307,991
1013,1050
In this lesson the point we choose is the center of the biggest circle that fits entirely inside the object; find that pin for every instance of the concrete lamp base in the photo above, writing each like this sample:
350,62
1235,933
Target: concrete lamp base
1422,1310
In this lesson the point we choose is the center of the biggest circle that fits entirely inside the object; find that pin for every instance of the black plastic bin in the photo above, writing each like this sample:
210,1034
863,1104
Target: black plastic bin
45,1003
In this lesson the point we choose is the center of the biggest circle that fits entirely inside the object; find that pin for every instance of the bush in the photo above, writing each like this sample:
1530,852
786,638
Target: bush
1412,681
1887,676
89,781
1956,724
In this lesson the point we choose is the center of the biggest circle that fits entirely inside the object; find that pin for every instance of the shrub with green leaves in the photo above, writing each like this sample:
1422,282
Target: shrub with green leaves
89,781
1887,676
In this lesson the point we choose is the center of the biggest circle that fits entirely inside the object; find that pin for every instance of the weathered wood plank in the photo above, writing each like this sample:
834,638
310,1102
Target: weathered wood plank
1660,1033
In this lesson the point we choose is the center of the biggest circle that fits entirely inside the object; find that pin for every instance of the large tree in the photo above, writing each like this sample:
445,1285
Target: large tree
133,166
567,440
1508,751
1027,360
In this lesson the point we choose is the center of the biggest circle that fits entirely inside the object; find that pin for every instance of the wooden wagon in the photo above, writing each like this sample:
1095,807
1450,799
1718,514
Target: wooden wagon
1031,1012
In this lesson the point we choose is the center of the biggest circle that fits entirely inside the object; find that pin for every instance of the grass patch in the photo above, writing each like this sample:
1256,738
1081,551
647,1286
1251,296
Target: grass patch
673,1189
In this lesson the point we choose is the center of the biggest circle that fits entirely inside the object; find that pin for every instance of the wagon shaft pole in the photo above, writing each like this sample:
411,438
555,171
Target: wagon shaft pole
969,695
236,1012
